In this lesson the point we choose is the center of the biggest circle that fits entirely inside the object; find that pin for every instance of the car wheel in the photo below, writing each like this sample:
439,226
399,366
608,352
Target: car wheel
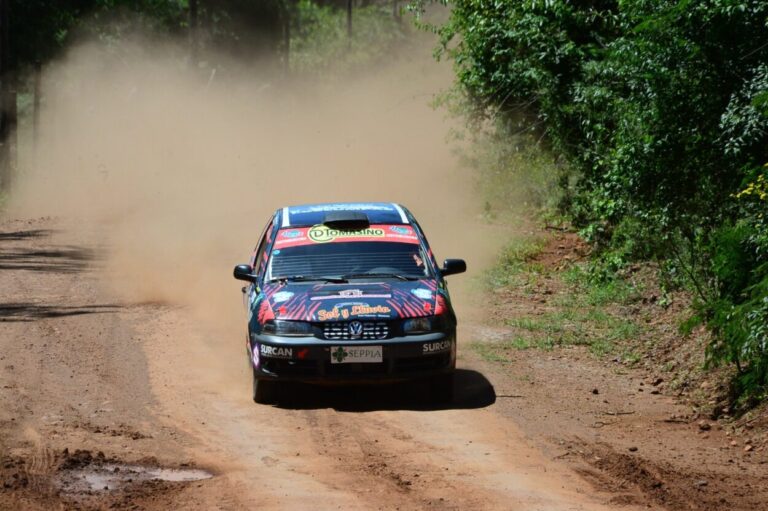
264,391
441,388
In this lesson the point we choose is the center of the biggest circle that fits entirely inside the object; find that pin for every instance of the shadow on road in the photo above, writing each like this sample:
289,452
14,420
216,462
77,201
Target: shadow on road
34,311
472,390
24,235
60,259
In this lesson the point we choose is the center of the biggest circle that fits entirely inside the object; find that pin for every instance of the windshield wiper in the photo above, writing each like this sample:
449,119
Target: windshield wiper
377,275
310,278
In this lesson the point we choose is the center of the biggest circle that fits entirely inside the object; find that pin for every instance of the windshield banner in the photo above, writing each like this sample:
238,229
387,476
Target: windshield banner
324,234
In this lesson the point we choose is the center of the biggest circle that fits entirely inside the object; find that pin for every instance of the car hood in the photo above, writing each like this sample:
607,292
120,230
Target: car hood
329,302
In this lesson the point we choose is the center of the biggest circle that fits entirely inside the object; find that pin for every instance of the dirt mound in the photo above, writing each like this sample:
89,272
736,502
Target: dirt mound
665,485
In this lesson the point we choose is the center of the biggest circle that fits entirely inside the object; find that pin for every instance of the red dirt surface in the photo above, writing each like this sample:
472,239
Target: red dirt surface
89,382
634,428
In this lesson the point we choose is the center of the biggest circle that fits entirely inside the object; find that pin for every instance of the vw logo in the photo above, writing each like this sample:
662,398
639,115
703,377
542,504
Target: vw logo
355,329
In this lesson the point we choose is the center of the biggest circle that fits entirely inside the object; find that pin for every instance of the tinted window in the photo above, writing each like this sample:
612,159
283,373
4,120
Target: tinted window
258,257
345,258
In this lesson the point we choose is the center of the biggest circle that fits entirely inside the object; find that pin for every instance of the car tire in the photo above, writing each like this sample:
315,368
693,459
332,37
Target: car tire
441,388
264,391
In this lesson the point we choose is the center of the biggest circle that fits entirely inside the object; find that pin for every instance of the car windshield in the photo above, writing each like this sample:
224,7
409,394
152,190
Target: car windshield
349,260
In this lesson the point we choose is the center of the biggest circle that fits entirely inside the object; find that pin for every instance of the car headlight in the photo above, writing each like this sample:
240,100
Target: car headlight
288,328
423,325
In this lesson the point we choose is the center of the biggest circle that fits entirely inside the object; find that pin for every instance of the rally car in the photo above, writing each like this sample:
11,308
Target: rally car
348,292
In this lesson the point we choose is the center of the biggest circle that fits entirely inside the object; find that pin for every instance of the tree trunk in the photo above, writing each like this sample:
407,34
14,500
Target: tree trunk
349,20
12,107
193,25
286,15
5,93
36,105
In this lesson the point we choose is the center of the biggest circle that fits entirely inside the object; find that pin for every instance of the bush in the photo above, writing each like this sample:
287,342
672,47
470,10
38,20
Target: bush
659,107
739,314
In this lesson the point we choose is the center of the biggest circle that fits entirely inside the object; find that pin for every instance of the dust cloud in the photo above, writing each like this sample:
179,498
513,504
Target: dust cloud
179,166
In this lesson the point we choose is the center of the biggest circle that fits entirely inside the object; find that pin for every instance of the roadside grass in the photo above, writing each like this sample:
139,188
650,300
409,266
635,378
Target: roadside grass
578,310
500,351
516,264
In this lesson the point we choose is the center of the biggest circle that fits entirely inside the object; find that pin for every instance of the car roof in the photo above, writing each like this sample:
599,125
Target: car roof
305,215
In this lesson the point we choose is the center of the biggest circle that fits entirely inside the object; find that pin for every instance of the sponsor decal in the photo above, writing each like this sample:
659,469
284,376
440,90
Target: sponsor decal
339,354
282,296
424,294
434,347
366,310
350,293
302,354
340,207
255,355
354,310
300,236
335,313
276,351
365,354
400,230
324,234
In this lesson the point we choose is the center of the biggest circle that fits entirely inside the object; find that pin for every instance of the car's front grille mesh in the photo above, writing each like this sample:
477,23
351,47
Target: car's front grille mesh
371,330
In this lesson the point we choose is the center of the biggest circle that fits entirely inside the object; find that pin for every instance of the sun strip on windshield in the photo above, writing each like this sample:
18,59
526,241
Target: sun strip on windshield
318,234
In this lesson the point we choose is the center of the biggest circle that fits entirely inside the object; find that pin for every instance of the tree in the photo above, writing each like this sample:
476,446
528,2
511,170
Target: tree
654,105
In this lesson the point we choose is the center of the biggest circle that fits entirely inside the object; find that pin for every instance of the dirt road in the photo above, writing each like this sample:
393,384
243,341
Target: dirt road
94,391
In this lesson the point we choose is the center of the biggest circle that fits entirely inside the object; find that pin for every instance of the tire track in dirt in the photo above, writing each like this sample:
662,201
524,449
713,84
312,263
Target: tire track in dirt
326,457
72,376
152,381
385,462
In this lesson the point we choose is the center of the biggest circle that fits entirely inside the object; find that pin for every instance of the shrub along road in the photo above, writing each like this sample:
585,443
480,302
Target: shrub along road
96,395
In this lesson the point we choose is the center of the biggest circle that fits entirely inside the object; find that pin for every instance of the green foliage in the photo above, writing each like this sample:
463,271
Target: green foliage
743,336
659,108
598,288
40,28
739,314
499,351
513,260
512,178
584,314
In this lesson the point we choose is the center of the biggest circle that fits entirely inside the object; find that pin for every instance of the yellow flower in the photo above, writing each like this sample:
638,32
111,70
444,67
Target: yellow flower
759,188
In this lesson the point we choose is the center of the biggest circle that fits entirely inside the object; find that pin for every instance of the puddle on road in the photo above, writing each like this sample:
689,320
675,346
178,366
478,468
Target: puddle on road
113,476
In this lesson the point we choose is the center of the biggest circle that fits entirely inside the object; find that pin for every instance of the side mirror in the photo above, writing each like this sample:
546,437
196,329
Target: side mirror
452,266
244,272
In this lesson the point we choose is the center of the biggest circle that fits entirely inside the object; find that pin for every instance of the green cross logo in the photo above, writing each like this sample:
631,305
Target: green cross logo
340,354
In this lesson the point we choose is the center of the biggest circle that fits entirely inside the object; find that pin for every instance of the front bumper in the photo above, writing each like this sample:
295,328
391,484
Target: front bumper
310,360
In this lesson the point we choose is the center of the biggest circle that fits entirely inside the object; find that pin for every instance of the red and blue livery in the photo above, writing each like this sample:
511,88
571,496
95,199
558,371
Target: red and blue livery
348,292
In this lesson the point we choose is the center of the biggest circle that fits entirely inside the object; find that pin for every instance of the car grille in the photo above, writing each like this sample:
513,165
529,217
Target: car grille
371,330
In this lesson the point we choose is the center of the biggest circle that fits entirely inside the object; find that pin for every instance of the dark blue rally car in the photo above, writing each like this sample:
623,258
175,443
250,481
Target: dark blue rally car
348,292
